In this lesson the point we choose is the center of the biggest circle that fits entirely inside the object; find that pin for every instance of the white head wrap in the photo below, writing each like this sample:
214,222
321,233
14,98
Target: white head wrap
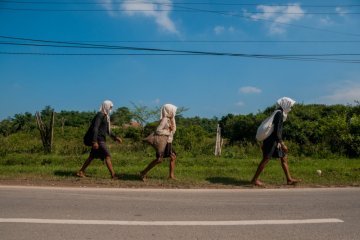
106,108
285,103
169,111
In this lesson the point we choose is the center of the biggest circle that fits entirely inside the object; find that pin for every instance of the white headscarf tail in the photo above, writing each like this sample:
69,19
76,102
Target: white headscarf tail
106,108
169,111
285,103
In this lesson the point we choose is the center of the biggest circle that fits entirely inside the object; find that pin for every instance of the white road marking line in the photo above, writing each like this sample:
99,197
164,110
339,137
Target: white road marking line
169,223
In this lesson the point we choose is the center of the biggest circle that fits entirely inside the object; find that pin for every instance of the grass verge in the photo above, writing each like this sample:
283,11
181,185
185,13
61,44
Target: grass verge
191,172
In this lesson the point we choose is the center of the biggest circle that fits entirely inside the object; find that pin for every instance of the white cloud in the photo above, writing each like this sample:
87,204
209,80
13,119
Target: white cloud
240,104
249,90
346,93
326,21
159,10
341,11
279,16
108,5
219,30
156,101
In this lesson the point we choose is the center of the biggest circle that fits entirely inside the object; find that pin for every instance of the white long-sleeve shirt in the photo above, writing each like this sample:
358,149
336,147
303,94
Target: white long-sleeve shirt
164,129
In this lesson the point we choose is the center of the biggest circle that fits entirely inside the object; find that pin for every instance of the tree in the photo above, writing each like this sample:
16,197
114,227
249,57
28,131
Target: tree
22,122
46,131
191,138
144,114
74,118
121,116
6,127
239,128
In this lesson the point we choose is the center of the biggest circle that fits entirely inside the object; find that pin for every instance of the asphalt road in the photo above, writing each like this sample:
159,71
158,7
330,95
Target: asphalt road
79,213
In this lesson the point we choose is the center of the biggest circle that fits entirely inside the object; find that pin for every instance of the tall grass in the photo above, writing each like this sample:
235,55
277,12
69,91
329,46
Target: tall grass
22,158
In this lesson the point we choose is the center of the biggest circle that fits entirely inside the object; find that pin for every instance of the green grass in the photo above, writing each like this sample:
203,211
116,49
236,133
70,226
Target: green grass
191,172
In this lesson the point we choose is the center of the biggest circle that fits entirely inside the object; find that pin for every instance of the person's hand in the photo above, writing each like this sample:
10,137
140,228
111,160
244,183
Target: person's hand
119,140
95,145
284,148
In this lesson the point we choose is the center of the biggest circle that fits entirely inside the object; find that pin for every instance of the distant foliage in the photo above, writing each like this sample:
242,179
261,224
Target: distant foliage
313,129
310,130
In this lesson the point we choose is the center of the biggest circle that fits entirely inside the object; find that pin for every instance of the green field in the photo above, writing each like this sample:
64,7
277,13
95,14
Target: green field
191,172
319,137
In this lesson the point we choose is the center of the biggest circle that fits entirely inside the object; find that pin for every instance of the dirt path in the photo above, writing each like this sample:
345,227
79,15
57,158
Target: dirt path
108,183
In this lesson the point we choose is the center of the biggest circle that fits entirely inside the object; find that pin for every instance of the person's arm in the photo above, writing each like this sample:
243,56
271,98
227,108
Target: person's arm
278,127
278,122
108,131
115,138
172,127
172,130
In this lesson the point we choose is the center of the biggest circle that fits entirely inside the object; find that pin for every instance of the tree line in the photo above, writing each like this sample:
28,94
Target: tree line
310,130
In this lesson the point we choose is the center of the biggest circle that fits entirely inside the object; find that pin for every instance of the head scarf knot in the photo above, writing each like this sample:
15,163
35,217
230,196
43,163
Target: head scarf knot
106,108
285,103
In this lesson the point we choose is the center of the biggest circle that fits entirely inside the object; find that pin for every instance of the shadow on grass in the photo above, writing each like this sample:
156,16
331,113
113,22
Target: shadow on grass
229,181
126,177
64,173
130,177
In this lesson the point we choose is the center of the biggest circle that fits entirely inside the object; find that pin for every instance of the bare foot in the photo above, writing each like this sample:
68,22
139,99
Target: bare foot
172,178
258,183
142,176
115,177
293,181
80,174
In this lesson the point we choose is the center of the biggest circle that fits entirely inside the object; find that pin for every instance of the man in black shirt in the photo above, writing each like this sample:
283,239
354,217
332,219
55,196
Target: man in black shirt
96,138
273,146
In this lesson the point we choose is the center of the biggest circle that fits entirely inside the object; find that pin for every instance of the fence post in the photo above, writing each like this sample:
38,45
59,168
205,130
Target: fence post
219,141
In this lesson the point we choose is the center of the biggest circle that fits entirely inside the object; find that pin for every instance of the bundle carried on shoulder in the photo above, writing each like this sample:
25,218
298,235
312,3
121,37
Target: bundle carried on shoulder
266,127
157,141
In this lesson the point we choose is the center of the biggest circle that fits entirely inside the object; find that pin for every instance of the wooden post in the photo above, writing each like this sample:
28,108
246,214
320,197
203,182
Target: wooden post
219,141
46,132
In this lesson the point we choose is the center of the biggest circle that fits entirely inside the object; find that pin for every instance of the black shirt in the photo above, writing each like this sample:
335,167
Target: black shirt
270,144
99,128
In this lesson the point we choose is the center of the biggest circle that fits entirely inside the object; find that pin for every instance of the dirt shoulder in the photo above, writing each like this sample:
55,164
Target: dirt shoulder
160,184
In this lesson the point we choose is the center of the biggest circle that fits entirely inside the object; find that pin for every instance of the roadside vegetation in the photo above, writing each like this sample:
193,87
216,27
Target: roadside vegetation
319,137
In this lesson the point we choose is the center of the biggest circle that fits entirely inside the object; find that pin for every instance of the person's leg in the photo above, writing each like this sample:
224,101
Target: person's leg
285,167
104,153
157,161
110,167
259,170
81,172
172,166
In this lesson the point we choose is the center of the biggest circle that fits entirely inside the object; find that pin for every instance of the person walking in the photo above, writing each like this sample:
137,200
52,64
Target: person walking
163,138
273,146
96,138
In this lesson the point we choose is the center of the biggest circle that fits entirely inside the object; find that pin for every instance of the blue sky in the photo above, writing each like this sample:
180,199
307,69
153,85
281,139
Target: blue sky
32,76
